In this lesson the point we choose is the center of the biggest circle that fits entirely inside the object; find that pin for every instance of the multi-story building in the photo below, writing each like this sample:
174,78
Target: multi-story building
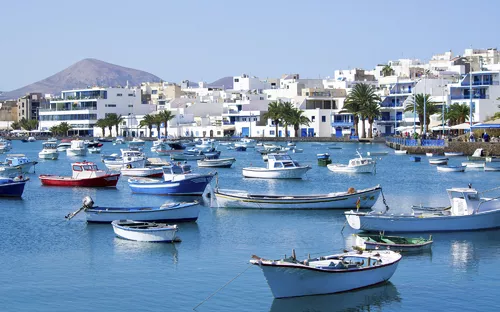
83,107
28,106
159,93
8,113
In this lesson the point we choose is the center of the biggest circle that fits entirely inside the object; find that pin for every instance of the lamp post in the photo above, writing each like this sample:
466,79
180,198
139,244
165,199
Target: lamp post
425,104
470,96
395,106
414,112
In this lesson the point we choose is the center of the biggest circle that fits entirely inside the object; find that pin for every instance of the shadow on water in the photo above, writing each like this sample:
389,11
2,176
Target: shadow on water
360,300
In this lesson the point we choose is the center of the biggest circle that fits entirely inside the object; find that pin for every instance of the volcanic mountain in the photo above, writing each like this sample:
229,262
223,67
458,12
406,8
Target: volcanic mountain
85,73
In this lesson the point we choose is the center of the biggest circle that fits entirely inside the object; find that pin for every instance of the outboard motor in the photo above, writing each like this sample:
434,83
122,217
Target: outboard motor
88,202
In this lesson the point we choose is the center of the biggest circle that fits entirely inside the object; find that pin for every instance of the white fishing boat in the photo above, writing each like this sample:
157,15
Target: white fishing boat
205,143
247,143
356,165
298,150
150,172
328,274
77,148
49,151
451,168
470,210
145,231
473,165
134,158
31,139
377,153
63,146
136,143
429,154
168,212
400,152
279,166
5,145
453,154
438,161
217,163
19,161
365,198
478,155
491,168
94,150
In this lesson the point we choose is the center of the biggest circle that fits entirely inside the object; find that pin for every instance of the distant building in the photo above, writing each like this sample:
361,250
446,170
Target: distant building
8,113
28,106
159,93
83,107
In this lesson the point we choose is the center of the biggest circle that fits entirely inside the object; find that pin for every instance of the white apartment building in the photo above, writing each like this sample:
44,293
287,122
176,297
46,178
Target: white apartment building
159,93
81,108
246,82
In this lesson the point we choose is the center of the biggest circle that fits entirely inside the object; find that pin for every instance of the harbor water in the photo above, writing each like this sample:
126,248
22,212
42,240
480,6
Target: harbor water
50,264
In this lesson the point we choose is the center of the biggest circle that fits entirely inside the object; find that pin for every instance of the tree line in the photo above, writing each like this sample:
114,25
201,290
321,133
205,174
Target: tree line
285,114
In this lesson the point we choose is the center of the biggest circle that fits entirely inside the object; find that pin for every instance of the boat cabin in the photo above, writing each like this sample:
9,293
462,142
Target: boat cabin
169,172
129,154
49,145
464,201
77,144
16,160
280,161
86,169
355,162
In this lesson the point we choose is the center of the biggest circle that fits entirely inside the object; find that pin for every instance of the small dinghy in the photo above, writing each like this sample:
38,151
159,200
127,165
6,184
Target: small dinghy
145,231
453,154
415,158
289,277
377,153
216,163
438,161
473,165
429,154
400,152
491,168
395,243
451,168
94,150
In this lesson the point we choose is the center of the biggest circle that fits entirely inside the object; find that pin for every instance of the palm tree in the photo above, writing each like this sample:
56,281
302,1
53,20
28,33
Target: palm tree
387,70
286,109
296,119
55,130
362,95
64,127
28,125
166,116
457,114
430,109
148,121
274,112
102,123
371,111
114,120
157,122
15,125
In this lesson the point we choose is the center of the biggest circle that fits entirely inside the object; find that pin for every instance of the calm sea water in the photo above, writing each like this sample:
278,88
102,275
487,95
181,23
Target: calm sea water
50,264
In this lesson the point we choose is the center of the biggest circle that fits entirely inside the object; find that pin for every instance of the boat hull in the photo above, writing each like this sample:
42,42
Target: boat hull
369,168
288,282
162,235
193,186
402,224
451,168
143,172
285,173
367,245
76,152
109,180
219,163
49,155
182,213
12,189
367,199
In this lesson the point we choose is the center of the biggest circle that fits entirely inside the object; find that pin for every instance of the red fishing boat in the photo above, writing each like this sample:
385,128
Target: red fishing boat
85,174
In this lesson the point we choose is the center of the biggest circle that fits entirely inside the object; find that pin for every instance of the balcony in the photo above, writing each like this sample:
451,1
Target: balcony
42,110
480,83
467,97
391,105
342,124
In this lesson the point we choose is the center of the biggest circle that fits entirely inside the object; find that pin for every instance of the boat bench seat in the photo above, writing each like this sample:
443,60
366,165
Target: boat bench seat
387,241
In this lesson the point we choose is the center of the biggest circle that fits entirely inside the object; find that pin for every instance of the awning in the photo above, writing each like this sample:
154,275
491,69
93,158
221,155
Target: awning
492,124
228,127
440,128
462,126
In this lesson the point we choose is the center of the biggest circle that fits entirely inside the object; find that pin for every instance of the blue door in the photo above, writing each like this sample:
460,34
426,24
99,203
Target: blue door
338,132
353,131
245,131
303,132
388,130
310,132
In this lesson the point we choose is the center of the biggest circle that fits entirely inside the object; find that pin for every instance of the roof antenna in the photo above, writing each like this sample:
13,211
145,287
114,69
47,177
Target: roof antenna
470,185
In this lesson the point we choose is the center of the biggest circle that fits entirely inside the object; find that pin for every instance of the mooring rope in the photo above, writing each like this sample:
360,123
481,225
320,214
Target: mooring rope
199,304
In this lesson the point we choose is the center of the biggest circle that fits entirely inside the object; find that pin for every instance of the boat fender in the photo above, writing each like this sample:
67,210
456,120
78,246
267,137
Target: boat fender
88,202
129,166
351,190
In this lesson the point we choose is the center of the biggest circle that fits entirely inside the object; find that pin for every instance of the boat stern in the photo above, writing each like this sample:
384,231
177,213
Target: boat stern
353,219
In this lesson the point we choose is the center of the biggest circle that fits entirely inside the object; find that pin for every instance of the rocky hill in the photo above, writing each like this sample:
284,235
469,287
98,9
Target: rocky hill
87,72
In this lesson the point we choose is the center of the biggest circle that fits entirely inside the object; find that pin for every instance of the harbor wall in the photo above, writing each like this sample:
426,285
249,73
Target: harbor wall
467,148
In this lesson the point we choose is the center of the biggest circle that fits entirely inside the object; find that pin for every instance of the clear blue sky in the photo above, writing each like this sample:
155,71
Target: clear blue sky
206,40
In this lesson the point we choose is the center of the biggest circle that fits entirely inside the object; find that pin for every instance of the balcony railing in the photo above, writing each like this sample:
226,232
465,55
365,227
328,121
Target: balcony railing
467,97
342,124
412,142
481,83
66,109
391,105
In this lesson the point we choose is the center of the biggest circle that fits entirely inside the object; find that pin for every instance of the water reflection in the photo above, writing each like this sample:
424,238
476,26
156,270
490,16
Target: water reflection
132,249
359,300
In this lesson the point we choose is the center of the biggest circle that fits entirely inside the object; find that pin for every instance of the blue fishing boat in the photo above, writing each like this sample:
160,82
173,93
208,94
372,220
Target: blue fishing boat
415,158
12,187
240,148
176,182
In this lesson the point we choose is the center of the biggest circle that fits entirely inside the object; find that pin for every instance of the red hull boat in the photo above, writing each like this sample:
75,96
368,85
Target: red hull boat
85,174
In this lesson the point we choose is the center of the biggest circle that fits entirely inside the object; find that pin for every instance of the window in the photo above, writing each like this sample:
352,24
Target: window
307,93
323,118
269,96
154,91
118,94
131,106
236,80
218,132
261,98
271,132
110,105
130,94
243,119
313,118
77,168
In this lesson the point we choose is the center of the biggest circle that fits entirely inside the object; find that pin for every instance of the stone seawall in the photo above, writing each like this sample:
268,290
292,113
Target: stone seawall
467,148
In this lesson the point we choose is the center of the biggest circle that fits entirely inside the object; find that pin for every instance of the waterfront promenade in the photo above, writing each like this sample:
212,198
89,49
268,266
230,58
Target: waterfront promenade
418,146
